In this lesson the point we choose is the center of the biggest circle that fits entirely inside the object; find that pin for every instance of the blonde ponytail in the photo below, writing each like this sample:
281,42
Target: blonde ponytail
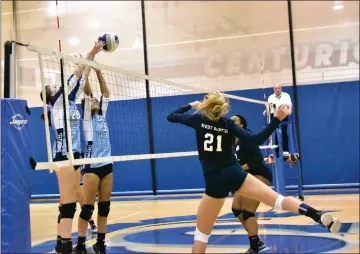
214,106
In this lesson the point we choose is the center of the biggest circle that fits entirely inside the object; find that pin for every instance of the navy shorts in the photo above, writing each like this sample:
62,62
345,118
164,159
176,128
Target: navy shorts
219,184
257,167
101,172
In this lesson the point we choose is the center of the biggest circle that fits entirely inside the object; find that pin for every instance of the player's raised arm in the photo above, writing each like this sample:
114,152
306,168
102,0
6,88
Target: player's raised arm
105,93
87,111
103,86
260,137
179,116
89,56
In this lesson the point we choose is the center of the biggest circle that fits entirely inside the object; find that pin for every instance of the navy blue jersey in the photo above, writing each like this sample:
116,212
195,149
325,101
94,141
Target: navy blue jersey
246,151
250,154
215,139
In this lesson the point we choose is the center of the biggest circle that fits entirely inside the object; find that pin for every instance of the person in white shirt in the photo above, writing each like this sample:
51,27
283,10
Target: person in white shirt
277,99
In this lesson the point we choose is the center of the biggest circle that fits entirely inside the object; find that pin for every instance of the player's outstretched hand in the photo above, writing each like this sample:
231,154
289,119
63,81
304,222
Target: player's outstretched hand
282,112
195,104
99,45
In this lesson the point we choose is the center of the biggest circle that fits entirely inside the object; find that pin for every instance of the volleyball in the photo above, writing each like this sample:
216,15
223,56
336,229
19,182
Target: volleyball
111,41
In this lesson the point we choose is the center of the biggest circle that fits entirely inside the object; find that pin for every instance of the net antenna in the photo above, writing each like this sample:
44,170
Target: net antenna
121,82
267,105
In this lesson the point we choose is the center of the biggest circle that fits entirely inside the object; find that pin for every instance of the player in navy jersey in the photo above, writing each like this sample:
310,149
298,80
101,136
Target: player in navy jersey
97,177
222,174
252,161
68,178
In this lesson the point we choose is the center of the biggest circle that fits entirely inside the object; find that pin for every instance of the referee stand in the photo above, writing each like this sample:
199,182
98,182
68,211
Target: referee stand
279,164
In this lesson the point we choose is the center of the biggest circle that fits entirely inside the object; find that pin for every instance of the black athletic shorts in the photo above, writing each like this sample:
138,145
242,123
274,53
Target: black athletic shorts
220,183
257,166
101,172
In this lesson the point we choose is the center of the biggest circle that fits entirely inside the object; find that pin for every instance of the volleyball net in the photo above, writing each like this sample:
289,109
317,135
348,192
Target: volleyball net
135,111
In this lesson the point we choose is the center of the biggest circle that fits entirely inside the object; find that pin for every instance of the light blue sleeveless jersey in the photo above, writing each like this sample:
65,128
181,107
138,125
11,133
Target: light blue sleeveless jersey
76,86
97,132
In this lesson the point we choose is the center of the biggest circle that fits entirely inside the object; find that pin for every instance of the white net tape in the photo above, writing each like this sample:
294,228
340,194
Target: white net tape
67,163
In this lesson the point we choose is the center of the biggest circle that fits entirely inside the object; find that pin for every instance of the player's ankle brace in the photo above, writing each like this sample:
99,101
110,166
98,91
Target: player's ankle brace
254,242
310,212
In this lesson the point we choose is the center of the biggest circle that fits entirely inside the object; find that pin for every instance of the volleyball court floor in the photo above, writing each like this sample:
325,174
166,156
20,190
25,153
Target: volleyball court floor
166,223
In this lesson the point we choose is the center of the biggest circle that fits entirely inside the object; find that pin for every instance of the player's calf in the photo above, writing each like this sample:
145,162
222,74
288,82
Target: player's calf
86,214
103,211
67,212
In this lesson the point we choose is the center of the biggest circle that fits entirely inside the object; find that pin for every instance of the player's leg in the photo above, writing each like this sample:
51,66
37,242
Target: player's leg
81,199
208,211
57,248
105,189
237,208
216,190
248,215
255,189
67,184
90,187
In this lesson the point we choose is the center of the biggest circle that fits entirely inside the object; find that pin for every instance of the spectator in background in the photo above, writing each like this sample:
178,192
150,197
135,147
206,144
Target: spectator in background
277,99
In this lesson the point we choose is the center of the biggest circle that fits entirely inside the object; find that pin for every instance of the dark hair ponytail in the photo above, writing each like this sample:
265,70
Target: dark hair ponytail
243,121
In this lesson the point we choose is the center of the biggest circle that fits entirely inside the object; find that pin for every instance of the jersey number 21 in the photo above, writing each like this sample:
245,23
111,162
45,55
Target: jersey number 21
208,143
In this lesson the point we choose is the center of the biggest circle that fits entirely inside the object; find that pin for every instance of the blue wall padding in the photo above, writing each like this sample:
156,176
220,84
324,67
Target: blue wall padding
329,128
15,178
179,173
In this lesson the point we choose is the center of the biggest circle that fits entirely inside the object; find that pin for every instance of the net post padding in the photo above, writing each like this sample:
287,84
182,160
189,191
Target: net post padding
138,75
15,176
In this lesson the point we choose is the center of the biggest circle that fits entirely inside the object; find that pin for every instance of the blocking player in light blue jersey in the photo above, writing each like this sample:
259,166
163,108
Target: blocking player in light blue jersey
68,178
97,177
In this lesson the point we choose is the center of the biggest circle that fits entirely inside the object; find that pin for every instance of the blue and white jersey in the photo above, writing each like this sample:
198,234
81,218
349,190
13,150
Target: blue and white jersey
96,132
76,86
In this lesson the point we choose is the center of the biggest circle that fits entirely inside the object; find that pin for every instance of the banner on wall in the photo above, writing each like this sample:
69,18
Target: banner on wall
322,55
241,69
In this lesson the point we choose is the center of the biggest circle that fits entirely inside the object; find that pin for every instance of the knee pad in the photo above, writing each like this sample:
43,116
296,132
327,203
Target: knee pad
68,211
200,236
104,208
86,212
278,202
236,213
248,215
